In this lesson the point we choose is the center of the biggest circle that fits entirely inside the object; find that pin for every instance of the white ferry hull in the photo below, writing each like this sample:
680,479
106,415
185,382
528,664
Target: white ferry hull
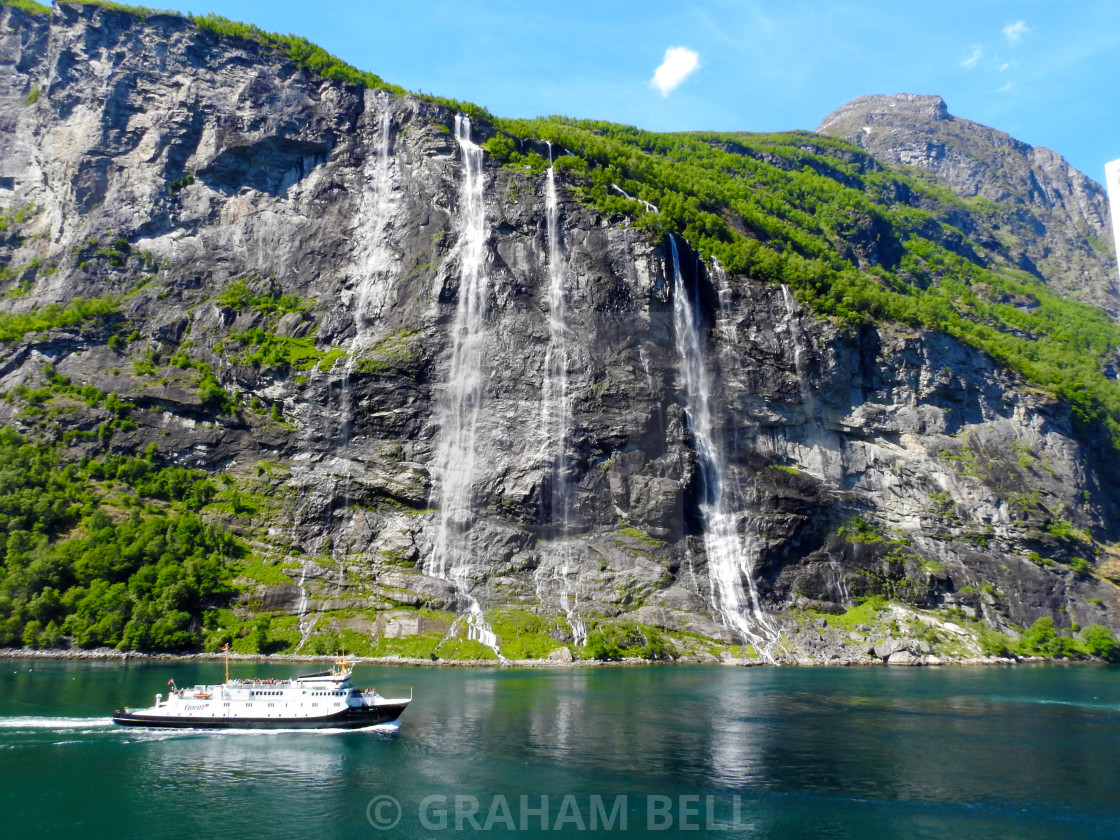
346,719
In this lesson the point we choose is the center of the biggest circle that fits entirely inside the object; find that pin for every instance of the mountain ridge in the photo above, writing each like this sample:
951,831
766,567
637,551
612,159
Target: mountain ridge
1060,206
257,275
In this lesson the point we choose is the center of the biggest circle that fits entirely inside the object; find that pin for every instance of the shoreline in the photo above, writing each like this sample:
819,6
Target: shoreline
111,654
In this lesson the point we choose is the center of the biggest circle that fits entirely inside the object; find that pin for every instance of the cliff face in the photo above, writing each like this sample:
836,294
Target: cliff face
316,248
1051,219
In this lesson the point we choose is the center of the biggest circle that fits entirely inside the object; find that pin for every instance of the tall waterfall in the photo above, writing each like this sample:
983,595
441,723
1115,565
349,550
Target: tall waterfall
458,408
365,300
556,408
731,556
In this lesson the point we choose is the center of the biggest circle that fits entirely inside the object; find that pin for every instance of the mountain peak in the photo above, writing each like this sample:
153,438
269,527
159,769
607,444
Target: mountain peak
874,107
1051,213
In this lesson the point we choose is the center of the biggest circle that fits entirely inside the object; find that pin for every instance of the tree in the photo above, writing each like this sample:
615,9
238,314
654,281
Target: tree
1099,641
1042,639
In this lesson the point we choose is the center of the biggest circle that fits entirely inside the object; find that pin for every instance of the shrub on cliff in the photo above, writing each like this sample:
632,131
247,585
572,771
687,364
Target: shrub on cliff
1099,641
1042,639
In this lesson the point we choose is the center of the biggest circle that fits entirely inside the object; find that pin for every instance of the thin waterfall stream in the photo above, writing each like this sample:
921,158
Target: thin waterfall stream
366,300
731,556
374,212
458,408
556,409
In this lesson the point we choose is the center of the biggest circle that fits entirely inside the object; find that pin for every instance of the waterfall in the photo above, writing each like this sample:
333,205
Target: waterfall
731,557
302,608
374,215
650,207
365,301
556,408
798,349
458,407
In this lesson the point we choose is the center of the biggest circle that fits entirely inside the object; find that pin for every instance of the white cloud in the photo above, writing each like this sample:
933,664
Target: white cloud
678,65
1015,31
973,59
1005,88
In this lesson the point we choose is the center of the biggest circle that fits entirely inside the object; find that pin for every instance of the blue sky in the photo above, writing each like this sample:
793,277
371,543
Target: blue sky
1045,71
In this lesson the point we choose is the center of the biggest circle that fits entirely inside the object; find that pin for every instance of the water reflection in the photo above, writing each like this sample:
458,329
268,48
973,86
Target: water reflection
832,753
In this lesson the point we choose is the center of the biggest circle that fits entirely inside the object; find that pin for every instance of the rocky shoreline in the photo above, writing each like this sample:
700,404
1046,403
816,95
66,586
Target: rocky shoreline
109,654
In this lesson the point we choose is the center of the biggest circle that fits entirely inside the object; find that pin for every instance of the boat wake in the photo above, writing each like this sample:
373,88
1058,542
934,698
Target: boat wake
55,723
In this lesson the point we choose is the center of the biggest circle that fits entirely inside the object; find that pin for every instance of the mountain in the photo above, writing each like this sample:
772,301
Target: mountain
295,359
1052,220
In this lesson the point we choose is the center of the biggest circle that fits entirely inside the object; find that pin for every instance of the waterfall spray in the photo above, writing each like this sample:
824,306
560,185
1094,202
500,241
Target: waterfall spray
556,408
459,405
731,556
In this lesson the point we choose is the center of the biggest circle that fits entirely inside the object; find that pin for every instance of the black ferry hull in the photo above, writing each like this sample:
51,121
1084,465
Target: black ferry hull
355,718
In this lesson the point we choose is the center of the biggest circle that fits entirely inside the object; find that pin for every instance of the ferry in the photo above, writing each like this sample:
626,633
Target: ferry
326,700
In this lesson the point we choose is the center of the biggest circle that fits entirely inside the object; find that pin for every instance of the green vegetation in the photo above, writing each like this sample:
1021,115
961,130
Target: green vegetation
267,351
211,393
138,11
390,353
78,312
866,612
618,639
180,183
992,642
523,634
503,150
858,530
237,296
821,216
105,551
255,569
1043,639
638,535
300,50
29,6
783,468
262,347
16,215
1099,641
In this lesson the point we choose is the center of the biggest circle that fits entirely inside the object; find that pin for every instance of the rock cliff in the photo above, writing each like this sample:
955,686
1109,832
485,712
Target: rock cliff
436,404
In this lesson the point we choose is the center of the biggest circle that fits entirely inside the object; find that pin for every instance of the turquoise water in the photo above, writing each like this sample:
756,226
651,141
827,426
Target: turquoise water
704,752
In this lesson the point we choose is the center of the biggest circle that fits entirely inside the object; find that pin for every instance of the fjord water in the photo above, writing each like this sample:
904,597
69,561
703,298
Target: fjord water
705,751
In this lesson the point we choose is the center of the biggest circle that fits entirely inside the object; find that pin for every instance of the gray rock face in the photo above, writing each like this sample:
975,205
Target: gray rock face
1058,227
887,461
